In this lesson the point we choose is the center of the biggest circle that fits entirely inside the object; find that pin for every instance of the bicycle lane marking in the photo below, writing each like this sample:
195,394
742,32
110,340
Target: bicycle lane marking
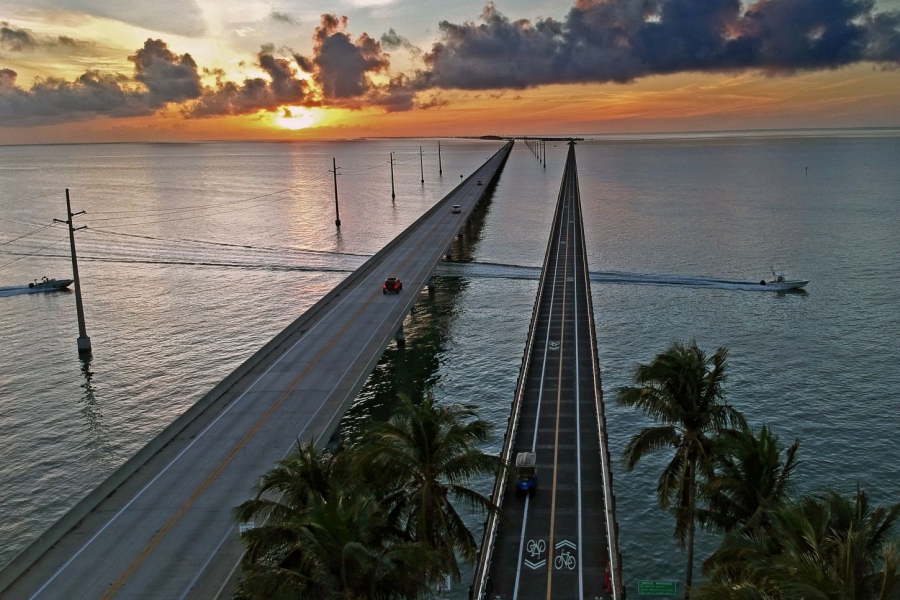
538,414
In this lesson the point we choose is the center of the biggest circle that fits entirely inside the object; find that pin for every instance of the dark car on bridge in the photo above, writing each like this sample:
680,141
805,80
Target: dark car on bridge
526,479
392,284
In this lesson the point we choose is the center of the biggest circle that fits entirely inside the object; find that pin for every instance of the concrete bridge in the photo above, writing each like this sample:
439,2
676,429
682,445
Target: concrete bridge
559,540
161,526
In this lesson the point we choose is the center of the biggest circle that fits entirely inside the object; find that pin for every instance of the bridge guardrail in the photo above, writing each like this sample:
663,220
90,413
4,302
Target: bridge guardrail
609,497
31,553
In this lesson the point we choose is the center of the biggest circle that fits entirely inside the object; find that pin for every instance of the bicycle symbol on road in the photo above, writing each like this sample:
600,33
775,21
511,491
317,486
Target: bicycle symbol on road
536,547
564,559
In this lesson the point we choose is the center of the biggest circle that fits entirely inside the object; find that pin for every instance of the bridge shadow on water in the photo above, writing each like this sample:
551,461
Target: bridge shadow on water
414,368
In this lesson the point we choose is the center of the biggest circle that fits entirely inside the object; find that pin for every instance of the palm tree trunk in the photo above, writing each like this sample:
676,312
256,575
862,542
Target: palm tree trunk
692,493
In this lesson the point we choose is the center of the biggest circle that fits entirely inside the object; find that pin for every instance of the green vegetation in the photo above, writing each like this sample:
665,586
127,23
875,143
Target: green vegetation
681,389
733,480
376,520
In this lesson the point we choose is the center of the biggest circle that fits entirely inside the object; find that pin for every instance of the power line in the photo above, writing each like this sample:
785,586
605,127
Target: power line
224,244
203,206
3,266
27,234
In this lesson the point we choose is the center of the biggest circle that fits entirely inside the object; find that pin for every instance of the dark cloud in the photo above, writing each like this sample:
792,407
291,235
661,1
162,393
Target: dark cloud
622,40
53,100
254,94
18,39
395,96
285,18
341,65
394,41
167,76
7,79
160,77
15,39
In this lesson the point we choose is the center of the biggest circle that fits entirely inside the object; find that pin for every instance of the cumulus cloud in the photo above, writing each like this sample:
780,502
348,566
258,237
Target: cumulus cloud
160,77
167,76
602,41
254,94
341,65
54,100
597,41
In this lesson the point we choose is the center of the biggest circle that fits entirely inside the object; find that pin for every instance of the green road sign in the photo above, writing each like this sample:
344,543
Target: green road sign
657,588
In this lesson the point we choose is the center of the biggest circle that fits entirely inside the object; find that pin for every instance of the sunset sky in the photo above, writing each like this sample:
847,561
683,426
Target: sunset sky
161,70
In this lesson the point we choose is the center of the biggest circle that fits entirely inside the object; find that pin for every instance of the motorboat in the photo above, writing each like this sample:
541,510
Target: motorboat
784,284
44,284
780,282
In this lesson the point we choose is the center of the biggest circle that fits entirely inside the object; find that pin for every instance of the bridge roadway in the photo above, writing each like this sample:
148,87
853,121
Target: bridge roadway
166,530
555,543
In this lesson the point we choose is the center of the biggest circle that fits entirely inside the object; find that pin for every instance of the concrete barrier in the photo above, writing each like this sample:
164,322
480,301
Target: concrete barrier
262,357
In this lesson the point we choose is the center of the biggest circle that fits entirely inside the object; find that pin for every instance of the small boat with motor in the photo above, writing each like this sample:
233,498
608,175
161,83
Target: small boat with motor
44,284
780,282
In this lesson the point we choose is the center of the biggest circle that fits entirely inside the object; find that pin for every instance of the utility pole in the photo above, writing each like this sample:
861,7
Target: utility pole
421,165
84,342
393,195
337,210
440,168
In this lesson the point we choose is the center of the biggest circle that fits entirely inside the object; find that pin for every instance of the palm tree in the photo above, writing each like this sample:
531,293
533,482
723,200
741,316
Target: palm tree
303,477
323,534
681,388
426,454
341,548
750,478
826,546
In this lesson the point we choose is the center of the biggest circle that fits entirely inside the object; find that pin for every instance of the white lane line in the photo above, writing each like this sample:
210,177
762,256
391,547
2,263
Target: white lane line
206,564
234,403
575,248
538,416
299,435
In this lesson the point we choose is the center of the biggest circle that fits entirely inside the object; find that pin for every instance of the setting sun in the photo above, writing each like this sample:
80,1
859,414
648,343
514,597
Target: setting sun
295,117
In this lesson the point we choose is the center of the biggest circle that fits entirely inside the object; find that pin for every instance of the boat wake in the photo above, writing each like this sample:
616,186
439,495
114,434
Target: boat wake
15,290
505,271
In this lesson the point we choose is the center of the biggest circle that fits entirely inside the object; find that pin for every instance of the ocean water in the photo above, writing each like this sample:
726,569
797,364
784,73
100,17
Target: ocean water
196,254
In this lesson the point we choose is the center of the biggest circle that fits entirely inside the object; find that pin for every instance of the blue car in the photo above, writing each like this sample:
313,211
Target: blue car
526,479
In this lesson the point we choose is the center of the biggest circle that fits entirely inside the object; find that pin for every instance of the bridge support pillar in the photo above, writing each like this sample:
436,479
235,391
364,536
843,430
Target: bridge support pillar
400,336
431,284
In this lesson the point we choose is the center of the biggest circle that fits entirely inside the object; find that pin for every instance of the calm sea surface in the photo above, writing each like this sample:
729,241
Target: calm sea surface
197,254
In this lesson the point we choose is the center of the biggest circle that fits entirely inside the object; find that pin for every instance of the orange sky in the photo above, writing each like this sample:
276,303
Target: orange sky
861,95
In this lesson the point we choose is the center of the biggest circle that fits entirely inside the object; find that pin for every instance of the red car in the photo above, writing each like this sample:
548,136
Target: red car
480,182
392,284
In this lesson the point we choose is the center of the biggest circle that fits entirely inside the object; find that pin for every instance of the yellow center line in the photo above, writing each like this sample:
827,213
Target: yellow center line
158,537
562,337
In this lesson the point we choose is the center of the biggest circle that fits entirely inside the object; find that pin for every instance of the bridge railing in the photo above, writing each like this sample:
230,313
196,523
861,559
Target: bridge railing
482,571
31,553
609,497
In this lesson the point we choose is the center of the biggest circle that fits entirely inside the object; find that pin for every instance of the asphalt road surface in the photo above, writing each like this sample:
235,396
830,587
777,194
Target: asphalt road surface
167,532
